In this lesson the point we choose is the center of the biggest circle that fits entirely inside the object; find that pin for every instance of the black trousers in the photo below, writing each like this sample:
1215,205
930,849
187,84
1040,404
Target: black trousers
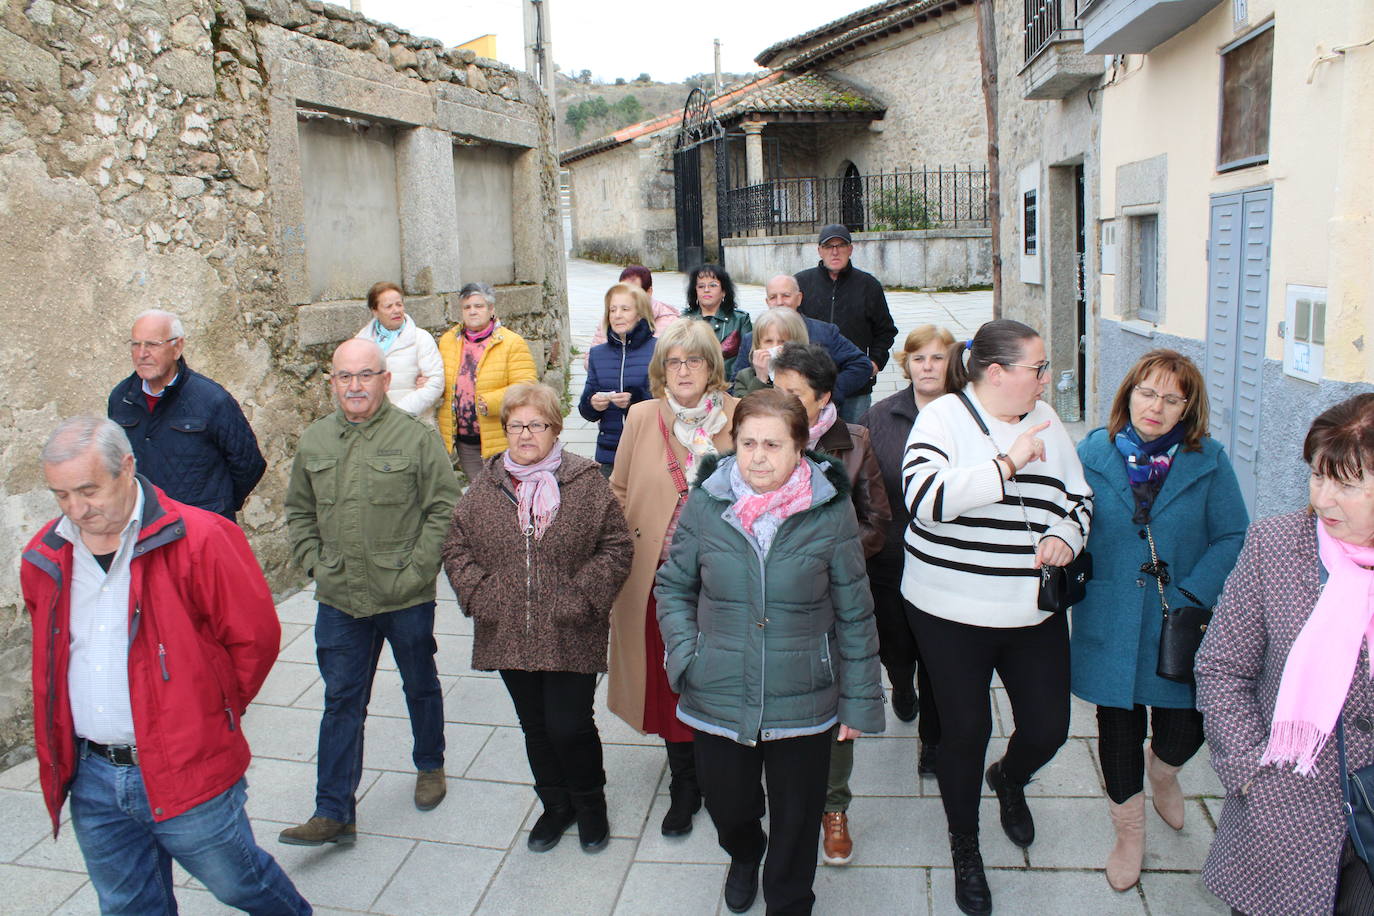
796,769
561,740
1034,665
1176,735
898,647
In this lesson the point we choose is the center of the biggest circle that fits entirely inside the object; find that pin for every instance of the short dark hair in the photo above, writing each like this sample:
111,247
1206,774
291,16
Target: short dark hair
811,362
1340,442
773,402
997,343
727,286
640,273
375,293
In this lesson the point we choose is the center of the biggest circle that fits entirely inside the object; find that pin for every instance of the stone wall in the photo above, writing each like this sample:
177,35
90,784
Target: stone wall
150,156
916,258
623,207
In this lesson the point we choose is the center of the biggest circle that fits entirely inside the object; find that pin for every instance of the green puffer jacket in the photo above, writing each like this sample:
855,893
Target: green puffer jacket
764,648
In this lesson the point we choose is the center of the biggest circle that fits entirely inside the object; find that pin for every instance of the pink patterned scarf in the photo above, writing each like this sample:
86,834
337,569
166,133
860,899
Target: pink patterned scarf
823,424
1317,675
789,499
536,490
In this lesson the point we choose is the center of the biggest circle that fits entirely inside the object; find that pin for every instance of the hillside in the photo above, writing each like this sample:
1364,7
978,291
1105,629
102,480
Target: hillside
599,108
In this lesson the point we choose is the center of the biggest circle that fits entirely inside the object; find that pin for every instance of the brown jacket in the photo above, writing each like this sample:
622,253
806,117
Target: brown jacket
538,605
643,485
850,443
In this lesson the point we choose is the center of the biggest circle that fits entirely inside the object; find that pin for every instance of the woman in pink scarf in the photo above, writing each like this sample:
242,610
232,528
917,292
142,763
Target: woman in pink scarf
1285,662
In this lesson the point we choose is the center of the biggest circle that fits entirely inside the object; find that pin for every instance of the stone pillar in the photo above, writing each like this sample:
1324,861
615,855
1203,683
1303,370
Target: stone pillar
753,152
429,220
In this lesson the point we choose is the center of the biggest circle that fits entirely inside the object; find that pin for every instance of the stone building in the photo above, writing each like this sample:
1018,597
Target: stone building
875,120
253,166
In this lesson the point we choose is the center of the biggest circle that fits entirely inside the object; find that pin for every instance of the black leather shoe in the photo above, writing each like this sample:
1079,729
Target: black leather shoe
925,761
971,892
742,885
558,816
1016,817
903,693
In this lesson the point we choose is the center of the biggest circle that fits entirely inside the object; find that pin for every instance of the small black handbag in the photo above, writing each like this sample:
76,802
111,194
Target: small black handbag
1357,791
1182,629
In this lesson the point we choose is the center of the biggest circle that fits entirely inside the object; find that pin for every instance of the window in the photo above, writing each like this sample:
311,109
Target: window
1145,233
1247,68
1028,223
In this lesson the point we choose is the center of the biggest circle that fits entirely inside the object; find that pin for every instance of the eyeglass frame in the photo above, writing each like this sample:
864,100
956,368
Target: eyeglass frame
675,364
1041,369
1171,400
515,429
341,377
151,344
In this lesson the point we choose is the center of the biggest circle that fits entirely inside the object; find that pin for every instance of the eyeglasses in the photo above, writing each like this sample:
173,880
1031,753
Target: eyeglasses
346,378
151,344
835,247
1040,368
711,284
1149,394
537,427
692,362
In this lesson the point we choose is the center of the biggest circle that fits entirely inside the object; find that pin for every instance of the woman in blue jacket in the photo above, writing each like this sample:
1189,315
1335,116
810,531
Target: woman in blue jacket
1158,478
618,370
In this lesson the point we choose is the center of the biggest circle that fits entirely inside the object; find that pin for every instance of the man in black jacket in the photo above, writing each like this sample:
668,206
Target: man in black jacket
189,435
838,292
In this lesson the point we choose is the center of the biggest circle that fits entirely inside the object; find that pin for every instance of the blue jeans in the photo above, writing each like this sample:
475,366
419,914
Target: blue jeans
129,855
854,407
347,649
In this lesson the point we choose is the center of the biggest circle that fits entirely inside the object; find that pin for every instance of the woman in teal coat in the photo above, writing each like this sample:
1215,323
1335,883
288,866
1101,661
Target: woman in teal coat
1157,477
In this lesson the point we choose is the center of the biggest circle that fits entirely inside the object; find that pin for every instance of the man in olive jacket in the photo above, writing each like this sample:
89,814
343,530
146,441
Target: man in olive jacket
367,509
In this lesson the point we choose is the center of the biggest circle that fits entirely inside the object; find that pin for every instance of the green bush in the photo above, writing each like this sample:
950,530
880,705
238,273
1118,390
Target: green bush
900,208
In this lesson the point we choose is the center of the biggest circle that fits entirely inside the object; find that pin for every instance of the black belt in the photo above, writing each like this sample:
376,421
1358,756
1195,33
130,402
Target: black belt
121,755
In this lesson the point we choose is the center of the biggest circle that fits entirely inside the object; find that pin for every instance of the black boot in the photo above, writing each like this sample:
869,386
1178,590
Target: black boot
1016,816
903,692
558,816
971,892
593,829
685,795
925,759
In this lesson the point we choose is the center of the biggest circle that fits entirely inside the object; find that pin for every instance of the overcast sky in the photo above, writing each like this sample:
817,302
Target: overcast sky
668,39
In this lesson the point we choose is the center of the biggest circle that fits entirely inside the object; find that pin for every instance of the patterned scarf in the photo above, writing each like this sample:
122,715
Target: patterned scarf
696,426
1147,464
384,337
537,490
823,424
465,380
761,514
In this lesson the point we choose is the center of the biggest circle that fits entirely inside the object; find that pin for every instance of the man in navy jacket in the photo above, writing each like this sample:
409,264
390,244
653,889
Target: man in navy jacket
189,435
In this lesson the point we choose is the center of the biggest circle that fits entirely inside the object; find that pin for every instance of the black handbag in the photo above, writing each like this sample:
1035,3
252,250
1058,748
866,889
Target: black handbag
1182,629
1061,587
1357,791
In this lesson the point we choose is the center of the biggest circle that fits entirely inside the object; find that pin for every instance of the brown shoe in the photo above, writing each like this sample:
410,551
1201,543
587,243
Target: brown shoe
319,830
430,789
836,848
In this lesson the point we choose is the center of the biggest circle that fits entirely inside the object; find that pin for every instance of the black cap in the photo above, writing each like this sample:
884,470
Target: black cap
833,231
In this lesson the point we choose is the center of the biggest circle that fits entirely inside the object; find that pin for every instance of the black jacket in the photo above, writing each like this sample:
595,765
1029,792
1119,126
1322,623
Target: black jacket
197,446
855,302
889,425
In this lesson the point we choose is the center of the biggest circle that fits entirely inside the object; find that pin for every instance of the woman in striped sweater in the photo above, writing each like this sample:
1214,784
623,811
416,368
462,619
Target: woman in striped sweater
995,491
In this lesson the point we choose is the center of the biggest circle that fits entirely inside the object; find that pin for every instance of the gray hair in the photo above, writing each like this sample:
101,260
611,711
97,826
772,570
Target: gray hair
75,436
478,289
789,323
176,331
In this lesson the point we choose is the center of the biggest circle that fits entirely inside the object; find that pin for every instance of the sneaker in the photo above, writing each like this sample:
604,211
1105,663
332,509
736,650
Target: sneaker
1016,816
320,830
430,789
837,847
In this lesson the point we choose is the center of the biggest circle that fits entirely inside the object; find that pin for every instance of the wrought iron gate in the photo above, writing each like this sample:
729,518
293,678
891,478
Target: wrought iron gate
699,127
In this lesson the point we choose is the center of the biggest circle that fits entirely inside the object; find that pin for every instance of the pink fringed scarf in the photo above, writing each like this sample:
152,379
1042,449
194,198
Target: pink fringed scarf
789,499
537,494
1317,675
826,420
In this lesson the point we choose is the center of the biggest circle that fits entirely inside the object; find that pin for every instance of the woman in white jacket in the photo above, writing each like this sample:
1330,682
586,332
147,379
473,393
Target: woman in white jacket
412,357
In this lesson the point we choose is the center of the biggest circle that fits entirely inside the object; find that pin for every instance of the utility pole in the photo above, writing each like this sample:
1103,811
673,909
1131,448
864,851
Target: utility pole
717,83
539,49
987,58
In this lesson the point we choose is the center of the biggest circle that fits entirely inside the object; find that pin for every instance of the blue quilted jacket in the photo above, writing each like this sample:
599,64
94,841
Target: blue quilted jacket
197,446
617,365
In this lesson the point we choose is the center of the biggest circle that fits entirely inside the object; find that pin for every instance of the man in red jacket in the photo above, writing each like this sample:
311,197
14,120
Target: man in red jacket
153,629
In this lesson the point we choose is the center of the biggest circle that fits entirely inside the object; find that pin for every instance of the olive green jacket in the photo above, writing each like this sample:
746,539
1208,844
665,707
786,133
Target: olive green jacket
367,510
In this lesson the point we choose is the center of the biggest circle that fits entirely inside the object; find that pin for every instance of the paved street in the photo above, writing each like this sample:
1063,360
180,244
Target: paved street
469,855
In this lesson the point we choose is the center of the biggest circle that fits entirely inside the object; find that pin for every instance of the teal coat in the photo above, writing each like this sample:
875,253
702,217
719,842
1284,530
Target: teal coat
1198,521
763,648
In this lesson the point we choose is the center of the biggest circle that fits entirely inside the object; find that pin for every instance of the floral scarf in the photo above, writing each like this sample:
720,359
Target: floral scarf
1147,464
465,381
761,514
696,427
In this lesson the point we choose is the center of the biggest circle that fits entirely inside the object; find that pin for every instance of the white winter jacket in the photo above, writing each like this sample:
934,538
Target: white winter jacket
414,353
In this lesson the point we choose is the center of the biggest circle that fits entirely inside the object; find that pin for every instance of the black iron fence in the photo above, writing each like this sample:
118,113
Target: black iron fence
942,197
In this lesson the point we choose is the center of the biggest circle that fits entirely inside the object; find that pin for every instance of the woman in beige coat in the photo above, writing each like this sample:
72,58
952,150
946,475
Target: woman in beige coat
660,447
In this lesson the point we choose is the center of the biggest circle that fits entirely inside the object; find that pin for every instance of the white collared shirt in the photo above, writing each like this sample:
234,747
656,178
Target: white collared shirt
157,394
98,670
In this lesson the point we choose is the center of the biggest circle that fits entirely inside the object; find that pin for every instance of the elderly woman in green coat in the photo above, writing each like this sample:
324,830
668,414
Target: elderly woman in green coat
770,643
1160,480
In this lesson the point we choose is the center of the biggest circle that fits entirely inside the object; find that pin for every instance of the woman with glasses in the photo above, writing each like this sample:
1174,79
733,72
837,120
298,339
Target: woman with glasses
412,357
995,492
711,298
536,551
1165,490
663,442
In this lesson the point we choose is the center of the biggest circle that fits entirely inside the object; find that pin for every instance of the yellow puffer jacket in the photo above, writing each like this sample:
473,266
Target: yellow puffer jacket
507,361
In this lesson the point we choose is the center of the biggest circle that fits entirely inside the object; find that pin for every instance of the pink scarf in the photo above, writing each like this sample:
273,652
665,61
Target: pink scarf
789,499
537,490
823,424
1317,675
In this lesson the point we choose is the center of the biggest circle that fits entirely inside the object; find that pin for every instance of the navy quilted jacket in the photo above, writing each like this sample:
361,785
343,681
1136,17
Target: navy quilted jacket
617,365
197,446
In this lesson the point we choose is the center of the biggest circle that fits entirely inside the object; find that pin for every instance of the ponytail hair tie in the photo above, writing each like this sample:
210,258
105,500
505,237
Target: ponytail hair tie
968,344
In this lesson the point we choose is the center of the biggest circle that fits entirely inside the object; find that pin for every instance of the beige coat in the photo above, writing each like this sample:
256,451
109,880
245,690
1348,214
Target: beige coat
644,486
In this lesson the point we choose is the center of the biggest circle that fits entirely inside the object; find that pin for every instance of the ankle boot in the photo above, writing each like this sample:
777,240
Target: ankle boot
1123,863
684,794
971,892
558,816
904,697
1164,787
593,828
1011,798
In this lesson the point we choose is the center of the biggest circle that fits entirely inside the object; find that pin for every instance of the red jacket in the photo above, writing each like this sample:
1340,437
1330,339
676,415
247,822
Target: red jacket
203,633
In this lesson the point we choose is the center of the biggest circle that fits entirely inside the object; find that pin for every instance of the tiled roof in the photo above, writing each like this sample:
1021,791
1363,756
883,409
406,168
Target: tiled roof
848,31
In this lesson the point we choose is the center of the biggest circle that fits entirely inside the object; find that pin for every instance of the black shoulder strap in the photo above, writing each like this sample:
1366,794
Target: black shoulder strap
973,412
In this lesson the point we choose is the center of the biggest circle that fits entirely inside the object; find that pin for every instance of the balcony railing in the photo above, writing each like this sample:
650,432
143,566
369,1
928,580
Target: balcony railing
943,197
1045,19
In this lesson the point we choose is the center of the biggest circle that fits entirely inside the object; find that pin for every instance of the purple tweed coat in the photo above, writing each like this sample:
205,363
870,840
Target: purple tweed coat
1278,845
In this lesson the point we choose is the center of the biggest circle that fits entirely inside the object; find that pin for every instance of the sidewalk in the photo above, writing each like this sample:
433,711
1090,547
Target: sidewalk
469,855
